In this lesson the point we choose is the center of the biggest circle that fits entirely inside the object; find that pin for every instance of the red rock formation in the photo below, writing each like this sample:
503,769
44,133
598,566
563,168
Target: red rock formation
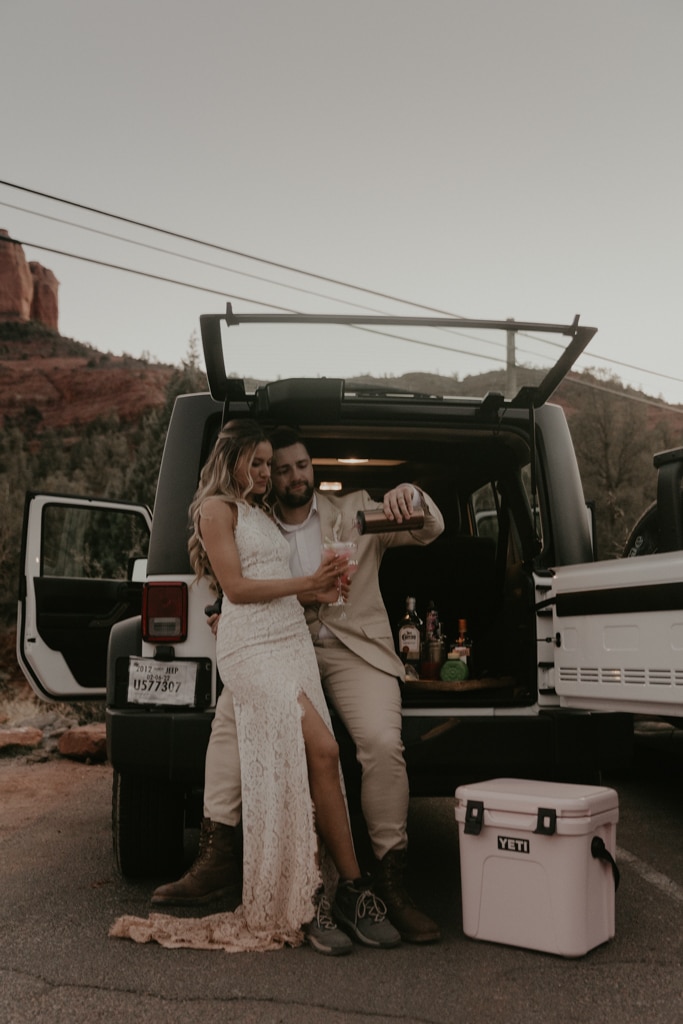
28,291
44,306
67,389
84,743
20,736
16,282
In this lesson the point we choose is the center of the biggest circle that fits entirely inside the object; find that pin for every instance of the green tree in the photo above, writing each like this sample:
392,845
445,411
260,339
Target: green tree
614,451
150,435
16,468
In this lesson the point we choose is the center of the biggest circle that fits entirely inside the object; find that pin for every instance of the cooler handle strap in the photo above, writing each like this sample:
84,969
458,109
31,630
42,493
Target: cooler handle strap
600,852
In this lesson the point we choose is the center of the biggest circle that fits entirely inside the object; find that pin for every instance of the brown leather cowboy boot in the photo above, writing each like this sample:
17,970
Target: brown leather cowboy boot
412,924
215,872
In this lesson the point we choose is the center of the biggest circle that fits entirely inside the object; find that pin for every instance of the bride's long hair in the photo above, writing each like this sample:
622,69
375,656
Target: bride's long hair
234,447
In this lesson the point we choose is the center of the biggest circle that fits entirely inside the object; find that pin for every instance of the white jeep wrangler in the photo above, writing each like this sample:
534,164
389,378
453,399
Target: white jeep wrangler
107,603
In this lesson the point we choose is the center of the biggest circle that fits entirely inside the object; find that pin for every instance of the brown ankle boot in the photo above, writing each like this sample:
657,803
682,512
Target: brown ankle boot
215,872
413,925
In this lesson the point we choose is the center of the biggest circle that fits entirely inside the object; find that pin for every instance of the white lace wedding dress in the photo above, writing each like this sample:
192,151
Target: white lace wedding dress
265,655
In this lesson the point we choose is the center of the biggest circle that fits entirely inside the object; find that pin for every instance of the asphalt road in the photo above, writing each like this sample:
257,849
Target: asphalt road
60,894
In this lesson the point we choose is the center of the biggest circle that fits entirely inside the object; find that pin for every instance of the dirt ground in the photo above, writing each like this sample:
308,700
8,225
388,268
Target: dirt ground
28,786
27,789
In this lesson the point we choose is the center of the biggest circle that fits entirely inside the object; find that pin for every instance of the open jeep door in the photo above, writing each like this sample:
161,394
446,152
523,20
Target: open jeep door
616,639
77,561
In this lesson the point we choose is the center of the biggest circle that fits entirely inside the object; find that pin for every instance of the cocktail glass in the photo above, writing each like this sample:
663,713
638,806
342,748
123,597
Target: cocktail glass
350,549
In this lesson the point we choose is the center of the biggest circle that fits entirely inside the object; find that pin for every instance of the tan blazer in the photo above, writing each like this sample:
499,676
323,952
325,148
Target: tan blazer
366,629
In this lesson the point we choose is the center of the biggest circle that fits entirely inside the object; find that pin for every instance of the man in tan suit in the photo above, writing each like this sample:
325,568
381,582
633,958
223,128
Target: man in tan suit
360,673
358,663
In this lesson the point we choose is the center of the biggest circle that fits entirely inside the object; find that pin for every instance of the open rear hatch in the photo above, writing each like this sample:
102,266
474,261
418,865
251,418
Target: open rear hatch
319,399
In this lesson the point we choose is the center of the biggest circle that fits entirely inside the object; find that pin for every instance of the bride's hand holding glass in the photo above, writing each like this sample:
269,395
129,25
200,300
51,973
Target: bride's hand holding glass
326,579
349,550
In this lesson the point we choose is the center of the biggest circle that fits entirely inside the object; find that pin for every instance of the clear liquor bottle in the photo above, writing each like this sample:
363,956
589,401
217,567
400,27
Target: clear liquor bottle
409,640
432,623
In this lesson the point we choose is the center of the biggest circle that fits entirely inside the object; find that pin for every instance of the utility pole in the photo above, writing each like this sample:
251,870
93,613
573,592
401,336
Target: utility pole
511,365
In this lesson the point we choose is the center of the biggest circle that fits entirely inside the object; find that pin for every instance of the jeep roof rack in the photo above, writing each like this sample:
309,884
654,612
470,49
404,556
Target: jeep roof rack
227,389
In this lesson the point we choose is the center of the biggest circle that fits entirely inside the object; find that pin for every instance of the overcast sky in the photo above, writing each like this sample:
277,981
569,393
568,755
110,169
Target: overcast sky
490,158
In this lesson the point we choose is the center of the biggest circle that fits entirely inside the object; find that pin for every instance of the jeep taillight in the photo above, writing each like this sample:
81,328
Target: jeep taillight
164,612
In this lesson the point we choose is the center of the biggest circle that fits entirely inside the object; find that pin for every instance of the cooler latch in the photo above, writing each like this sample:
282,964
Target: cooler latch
546,822
474,817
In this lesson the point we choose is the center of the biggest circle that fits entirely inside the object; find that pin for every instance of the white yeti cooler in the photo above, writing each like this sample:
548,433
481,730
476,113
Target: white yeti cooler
537,863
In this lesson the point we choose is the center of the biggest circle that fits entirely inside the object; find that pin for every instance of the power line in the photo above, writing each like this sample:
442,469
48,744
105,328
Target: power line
230,270
615,362
592,386
259,302
178,255
273,263
258,277
242,298
234,252
285,309
223,248
244,273
146,273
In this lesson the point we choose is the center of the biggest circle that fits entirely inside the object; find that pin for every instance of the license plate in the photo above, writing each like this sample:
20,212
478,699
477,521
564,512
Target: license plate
161,682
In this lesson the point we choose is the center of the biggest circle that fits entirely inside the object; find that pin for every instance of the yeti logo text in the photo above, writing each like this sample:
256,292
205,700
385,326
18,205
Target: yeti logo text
513,845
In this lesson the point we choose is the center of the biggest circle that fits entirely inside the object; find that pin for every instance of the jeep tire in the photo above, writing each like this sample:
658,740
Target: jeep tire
148,824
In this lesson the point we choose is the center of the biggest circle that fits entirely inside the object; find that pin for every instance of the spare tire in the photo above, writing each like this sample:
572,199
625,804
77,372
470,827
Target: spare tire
644,537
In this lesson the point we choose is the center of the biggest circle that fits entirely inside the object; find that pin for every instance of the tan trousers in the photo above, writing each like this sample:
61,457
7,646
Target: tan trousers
222,782
369,704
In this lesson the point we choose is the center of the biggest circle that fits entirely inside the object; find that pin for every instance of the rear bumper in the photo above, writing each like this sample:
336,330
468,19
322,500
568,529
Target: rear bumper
159,744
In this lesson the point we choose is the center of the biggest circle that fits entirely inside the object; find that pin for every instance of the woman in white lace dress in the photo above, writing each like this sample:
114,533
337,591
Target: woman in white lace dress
292,793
